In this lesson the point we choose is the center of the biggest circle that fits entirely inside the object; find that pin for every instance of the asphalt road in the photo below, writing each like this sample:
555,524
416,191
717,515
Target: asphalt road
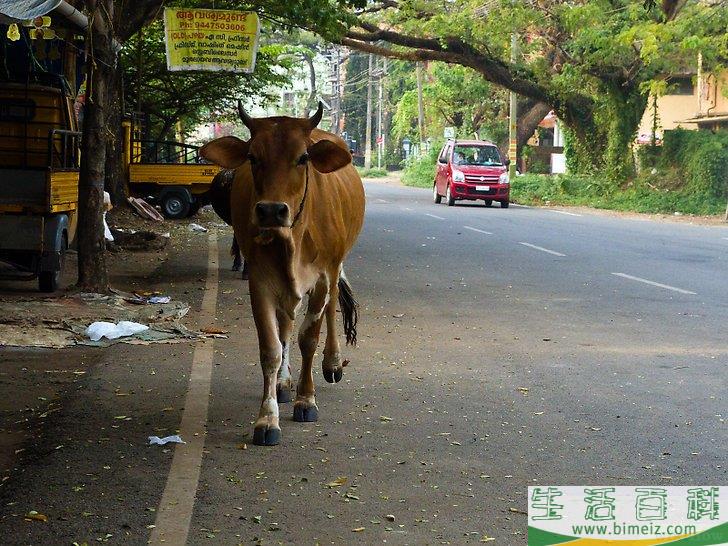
498,348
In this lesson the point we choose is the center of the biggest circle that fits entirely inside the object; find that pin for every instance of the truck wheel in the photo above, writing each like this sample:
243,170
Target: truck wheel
436,197
175,205
448,197
49,281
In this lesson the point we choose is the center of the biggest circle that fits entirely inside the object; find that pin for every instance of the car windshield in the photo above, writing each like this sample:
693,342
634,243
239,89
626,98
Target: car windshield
476,155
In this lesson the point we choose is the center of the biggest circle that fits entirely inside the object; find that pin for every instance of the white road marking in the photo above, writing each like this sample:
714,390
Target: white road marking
563,212
434,216
407,208
653,283
178,500
725,238
478,230
542,249
380,200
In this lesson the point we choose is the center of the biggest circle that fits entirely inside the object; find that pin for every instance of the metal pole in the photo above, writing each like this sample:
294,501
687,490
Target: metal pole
379,119
368,144
513,120
420,109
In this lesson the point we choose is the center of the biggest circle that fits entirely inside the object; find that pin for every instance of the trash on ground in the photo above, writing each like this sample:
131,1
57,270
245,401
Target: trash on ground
197,228
109,330
156,440
159,299
145,210
62,322
107,207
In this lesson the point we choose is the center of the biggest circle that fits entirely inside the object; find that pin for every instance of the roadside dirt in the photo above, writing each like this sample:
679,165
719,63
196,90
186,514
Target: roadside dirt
37,381
676,219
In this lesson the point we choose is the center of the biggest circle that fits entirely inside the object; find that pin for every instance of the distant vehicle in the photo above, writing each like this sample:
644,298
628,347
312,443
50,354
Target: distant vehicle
471,169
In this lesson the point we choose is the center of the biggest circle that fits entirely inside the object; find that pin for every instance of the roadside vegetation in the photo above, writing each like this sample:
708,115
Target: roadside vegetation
372,173
687,174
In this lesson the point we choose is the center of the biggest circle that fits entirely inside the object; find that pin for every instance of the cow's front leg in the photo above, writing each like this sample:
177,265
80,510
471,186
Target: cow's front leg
305,409
331,365
267,431
285,383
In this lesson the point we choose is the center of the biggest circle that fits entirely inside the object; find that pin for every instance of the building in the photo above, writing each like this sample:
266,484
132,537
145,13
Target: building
693,101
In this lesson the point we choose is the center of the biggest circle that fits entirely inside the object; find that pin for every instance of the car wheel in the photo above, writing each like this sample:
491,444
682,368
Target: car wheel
175,205
436,197
448,197
505,203
49,281
488,202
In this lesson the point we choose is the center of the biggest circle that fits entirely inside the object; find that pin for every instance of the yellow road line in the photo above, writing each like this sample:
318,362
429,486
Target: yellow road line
178,500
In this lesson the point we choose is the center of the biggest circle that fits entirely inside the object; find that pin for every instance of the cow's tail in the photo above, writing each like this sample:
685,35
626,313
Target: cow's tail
349,309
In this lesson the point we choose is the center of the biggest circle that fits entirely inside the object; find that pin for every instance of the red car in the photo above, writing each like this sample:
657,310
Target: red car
471,169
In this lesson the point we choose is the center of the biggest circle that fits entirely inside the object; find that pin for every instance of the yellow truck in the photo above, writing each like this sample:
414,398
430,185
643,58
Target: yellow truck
40,146
39,165
170,174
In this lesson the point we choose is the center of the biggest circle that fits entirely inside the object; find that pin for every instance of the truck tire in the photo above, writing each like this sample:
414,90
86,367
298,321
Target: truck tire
49,281
175,204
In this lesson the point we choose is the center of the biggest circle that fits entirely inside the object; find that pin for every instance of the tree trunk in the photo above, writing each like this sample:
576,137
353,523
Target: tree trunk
528,119
115,179
92,275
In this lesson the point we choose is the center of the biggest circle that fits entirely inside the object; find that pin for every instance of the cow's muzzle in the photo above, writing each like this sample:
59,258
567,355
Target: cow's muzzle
272,214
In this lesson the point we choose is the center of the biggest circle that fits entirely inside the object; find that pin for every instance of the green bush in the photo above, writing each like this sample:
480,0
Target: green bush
372,173
700,157
420,172
641,195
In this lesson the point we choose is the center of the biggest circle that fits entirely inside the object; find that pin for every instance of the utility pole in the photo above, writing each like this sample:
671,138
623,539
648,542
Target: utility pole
368,144
420,109
380,135
512,122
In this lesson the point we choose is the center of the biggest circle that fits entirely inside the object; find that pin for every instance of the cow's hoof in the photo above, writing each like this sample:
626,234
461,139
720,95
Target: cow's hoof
333,376
283,395
304,413
266,436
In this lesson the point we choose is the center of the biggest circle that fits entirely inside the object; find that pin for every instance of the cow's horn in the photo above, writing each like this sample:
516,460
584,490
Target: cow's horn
244,117
316,118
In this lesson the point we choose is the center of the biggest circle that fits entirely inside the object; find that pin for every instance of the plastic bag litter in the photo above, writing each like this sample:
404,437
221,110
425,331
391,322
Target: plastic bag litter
159,299
156,440
97,330
198,228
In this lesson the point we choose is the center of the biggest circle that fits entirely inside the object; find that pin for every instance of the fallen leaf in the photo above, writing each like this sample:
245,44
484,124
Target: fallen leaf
358,529
384,418
389,517
35,516
517,511
213,330
338,482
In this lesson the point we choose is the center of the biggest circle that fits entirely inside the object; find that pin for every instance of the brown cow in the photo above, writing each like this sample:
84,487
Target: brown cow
297,209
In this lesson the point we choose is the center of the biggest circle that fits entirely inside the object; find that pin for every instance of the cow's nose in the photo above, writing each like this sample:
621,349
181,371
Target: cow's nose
271,214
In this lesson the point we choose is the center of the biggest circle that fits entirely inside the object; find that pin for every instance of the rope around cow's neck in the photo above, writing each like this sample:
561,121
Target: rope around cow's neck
303,201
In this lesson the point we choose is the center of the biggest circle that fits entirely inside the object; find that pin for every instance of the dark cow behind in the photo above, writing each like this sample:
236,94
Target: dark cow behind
220,191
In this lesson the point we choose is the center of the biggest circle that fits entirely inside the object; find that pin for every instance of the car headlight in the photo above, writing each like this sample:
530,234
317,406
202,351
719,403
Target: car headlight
458,176
503,178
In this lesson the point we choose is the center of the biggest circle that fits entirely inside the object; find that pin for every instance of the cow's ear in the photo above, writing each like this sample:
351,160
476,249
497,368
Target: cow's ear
229,152
328,156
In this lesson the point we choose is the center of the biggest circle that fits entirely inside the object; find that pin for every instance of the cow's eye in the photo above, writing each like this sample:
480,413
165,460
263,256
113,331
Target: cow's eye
303,159
252,159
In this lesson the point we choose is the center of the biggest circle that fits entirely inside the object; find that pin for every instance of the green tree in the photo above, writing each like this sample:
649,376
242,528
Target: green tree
591,61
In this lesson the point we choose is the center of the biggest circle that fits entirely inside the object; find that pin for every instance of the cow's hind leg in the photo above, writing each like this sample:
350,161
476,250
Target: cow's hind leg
284,384
332,365
235,253
267,431
305,409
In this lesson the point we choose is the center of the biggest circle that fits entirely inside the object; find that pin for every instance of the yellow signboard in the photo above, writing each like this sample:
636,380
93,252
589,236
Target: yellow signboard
210,39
